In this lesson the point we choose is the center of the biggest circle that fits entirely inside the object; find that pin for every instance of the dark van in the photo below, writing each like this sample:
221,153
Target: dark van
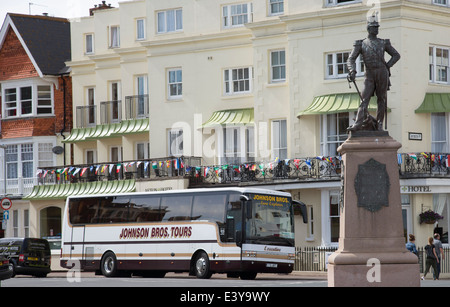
28,256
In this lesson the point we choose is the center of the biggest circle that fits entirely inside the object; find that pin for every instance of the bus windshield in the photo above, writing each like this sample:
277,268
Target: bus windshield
272,220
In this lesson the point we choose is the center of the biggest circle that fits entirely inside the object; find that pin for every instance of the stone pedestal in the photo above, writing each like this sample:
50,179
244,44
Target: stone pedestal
372,244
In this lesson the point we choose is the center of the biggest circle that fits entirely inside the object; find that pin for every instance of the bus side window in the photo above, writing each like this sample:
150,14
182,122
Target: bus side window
176,208
145,208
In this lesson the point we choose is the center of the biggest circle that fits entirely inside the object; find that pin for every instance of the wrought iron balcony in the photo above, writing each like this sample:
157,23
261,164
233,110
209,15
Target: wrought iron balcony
319,168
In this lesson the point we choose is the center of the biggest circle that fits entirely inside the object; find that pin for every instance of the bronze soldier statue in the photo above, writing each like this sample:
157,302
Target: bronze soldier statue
377,73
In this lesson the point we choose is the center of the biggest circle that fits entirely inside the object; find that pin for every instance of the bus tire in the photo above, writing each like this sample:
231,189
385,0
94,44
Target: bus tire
201,266
108,265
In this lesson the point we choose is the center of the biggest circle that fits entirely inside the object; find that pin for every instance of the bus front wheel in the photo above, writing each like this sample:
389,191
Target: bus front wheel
109,265
201,266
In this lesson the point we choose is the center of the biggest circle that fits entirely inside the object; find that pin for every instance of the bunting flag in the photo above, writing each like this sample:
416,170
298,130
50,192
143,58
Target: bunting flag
399,159
308,163
154,165
297,163
118,167
424,154
206,170
414,156
176,164
146,165
448,160
236,169
83,171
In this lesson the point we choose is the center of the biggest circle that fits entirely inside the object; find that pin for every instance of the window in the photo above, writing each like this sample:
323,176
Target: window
89,43
338,2
50,219
279,139
176,208
44,104
170,20
115,153
237,15
334,132
238,80
16,223
91,156
90,115
278,65
238,145
114,37
175,83
439,64
32,99
144,208
45,155
439,133
175,142
441,205
209,207
19,159
142,151
336,65
140,29
11,102
331,212
441,2
276,7
26,223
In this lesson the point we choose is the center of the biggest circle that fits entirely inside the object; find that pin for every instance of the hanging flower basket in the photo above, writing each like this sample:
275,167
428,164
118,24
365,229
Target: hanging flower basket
429,217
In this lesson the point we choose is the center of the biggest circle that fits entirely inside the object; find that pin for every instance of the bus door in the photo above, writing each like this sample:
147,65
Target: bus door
77,243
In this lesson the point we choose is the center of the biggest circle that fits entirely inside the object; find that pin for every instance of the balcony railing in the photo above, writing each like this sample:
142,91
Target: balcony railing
424,164
136,106
319,168
110,112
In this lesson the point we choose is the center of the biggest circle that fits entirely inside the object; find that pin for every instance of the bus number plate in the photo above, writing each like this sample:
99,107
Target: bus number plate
271,265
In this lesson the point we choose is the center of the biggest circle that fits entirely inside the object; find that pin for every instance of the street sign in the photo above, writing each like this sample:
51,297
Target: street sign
6,215
6,203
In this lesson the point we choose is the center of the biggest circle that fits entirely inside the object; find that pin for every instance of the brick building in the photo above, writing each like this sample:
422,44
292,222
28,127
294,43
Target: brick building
36,114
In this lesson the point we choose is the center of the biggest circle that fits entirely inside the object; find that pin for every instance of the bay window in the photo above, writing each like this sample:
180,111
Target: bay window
27,99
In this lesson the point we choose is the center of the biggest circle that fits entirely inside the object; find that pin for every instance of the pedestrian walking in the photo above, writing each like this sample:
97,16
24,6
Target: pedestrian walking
439,253
431,257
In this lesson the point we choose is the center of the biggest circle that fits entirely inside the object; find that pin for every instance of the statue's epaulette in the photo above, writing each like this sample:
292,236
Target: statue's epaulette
358,42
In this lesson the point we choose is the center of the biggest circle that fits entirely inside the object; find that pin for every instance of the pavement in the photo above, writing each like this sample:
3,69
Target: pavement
293,275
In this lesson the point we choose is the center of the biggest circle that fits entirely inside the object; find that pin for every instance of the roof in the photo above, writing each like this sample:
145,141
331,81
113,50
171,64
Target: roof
46,40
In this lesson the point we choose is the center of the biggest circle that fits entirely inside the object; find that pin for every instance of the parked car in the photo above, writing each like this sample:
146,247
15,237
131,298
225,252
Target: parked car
5,268
27,256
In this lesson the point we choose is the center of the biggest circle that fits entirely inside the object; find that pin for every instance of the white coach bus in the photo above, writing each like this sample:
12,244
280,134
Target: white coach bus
238,231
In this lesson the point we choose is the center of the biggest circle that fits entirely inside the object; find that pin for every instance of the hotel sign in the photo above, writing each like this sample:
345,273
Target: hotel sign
415,189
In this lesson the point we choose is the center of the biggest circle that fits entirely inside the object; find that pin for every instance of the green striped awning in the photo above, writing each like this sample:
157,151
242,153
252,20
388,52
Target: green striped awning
62,191
435,103
336,103
231,117
108,130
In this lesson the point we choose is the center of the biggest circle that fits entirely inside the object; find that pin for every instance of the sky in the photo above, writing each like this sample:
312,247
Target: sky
56,8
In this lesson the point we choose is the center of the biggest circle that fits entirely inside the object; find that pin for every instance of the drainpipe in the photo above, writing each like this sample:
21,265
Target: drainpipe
64,116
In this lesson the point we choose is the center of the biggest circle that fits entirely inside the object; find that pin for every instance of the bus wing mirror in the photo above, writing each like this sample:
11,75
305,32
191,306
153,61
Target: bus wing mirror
300,206
239,238
247,205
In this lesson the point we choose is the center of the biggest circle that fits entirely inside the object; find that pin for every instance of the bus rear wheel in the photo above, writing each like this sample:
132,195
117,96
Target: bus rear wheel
201,266
109,265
